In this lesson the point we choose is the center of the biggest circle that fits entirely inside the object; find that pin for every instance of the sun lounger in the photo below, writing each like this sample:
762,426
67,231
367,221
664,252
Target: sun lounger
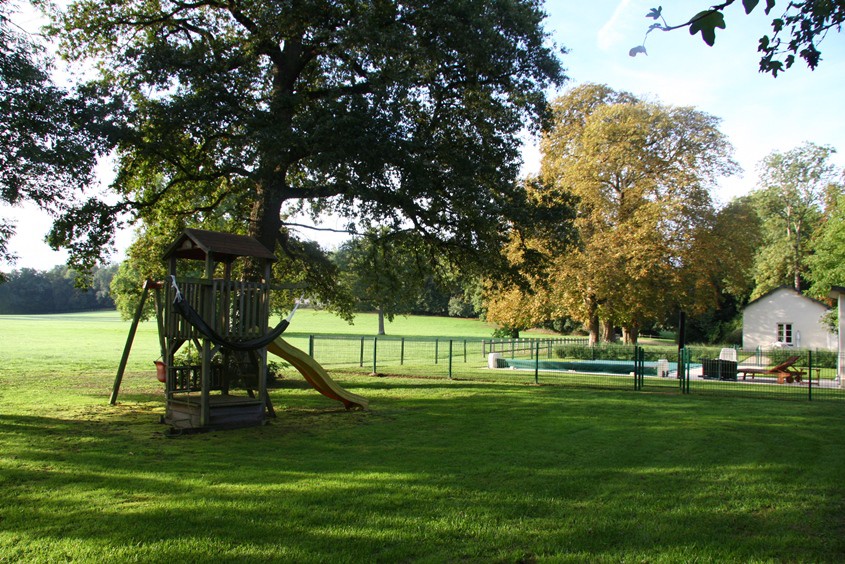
785,371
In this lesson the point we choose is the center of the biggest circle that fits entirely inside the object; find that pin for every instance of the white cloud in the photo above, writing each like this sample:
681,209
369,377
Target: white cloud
612,33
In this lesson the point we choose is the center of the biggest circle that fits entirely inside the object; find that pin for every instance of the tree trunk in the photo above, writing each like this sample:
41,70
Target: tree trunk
380,321
265,222
593,329
631,334
607,331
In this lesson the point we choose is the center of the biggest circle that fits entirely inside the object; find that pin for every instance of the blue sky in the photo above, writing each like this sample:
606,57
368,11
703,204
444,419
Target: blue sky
759,114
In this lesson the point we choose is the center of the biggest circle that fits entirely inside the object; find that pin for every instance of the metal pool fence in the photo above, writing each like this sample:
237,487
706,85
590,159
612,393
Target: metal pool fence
781,373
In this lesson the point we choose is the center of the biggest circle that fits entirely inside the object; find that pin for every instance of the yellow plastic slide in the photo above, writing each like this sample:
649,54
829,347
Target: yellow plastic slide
315,374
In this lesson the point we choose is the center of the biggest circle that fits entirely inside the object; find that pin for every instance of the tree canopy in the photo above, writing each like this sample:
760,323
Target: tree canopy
28,291
384,113
797,32
384,272
826,266
640,173
51,138
794,189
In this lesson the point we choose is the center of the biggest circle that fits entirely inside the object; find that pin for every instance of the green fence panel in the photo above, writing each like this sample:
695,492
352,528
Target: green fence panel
571,362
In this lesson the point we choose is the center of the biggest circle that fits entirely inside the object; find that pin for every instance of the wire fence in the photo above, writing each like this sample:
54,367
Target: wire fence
780,373
787,373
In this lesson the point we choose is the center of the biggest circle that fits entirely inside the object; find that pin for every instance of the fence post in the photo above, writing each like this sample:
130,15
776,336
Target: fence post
450,359
537,364
687,360
361,363
683,369
402,352
436,350
375,346
636,368
311,346
465,351
641,367
810,373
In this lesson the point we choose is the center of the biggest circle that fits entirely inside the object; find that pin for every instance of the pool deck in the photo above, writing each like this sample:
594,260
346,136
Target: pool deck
695,373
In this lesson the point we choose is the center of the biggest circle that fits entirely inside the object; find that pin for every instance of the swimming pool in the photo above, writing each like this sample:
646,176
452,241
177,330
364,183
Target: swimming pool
600,366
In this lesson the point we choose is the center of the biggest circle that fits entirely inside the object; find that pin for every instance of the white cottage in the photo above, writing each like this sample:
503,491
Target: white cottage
786,318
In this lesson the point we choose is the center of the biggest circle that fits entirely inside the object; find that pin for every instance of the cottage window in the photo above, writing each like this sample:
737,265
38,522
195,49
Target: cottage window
785,333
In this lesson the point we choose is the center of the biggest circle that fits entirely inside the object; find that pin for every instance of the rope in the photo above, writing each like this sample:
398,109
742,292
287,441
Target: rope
301,299
175,287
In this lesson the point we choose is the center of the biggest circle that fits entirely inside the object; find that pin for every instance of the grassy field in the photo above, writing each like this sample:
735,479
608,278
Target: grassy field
435,471
309,321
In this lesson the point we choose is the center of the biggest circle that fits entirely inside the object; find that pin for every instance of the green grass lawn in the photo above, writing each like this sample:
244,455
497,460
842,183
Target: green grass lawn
310,321
435,471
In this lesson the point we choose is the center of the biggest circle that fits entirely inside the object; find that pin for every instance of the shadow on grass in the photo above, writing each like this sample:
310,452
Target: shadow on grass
436,470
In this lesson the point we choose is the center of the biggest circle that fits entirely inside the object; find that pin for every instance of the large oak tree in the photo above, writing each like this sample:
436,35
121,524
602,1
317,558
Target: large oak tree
384,113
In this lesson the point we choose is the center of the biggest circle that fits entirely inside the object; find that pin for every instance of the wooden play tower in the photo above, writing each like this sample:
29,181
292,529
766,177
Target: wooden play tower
223,382
228,385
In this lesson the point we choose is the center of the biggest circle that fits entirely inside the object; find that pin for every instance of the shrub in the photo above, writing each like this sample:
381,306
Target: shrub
506,333
626,352
460,308
698,353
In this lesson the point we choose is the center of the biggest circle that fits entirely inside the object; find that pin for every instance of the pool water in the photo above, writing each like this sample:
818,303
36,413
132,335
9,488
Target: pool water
601,366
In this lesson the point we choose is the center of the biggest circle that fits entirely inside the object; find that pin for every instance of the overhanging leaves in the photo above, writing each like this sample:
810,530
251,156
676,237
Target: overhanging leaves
399,114
706,23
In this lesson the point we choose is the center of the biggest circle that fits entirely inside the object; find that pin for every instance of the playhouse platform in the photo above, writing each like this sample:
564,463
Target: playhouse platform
184,411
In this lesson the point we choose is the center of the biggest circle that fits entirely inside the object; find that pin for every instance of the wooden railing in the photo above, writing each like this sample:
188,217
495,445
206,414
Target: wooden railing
234,309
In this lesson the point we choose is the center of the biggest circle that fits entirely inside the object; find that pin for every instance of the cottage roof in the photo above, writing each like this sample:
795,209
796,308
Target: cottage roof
835,291
788,289
197,244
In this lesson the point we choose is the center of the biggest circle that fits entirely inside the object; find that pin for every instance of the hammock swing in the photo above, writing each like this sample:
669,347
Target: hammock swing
194,318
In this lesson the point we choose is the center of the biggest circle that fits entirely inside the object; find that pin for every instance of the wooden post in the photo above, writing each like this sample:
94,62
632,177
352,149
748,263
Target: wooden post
207,312
262,353
129,339
205,379
160,319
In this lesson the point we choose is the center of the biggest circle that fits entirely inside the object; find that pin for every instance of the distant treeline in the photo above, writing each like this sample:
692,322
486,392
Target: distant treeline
29,291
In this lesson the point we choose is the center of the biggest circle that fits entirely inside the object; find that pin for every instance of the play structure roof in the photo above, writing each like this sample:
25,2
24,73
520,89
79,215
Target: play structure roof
197,244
